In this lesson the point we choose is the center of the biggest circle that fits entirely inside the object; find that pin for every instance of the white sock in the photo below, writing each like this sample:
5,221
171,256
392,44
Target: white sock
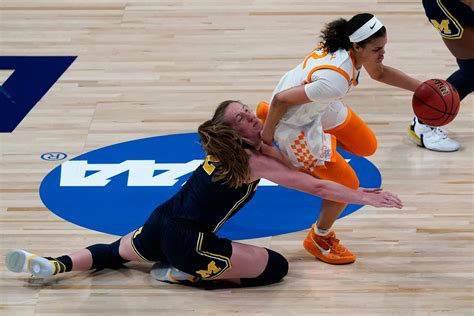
320,231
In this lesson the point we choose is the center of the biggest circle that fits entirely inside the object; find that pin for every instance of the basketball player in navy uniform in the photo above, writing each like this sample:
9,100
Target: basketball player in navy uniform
181,234
454,20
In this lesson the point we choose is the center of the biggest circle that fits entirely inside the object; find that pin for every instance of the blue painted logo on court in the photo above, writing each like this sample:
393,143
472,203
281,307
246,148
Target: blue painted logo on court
31,78
114,189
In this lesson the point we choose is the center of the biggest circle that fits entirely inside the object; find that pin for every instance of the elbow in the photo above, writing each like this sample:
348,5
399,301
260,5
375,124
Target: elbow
279,101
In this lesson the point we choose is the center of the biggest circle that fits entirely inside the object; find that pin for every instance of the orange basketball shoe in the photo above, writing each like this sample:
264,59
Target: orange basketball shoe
327,248
262,111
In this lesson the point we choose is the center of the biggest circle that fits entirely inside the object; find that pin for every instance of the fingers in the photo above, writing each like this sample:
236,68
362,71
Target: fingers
391,200
383,199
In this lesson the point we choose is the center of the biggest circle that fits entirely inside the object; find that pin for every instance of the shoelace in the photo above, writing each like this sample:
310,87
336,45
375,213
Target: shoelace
335,245
440,131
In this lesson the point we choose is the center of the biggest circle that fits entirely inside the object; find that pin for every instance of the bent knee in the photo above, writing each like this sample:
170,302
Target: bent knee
366,151
277,266
275,270
368,147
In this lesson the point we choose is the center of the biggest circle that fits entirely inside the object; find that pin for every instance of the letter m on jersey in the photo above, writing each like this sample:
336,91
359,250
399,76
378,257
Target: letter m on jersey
30,78
443,27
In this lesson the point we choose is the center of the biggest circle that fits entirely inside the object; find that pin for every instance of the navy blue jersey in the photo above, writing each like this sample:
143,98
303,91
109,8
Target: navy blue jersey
449,17
182,230
205,203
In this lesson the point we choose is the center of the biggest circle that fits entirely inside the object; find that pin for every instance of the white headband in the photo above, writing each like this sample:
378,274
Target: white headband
366,30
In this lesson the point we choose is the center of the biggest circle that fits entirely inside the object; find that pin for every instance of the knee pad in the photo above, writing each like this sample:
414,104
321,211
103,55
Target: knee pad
276,269
463,79
106,256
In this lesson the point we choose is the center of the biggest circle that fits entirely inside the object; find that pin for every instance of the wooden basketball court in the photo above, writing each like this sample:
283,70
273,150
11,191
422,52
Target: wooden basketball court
147,68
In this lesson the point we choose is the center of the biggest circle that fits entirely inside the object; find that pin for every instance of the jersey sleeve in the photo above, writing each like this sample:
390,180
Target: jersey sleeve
326,84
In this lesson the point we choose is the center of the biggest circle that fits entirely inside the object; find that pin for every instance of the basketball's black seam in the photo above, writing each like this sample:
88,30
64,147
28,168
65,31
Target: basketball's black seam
437,110
433,108
441,96
448,116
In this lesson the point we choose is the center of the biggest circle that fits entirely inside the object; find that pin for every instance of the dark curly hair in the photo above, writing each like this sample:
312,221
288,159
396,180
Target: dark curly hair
336,33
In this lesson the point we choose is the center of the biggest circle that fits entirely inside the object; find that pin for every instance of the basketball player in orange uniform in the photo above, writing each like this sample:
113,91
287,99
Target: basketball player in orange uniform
308,134
454,20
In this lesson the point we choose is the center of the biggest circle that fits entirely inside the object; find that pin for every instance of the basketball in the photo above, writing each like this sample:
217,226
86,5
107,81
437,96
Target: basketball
435,102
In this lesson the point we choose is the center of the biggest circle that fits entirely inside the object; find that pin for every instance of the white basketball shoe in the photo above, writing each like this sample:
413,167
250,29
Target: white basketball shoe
18,261
165,272
432,138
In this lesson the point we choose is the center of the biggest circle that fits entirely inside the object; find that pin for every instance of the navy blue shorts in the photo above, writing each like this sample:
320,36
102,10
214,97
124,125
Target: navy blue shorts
187,248
450,17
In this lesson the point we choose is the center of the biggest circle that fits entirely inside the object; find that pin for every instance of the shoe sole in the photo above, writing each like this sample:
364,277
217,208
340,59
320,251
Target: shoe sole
442,151
163,275
159,274
308,245
259,110
40,268
15,260
414,138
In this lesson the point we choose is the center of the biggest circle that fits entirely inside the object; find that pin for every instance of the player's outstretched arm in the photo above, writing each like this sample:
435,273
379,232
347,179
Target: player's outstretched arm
391,76
263,166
